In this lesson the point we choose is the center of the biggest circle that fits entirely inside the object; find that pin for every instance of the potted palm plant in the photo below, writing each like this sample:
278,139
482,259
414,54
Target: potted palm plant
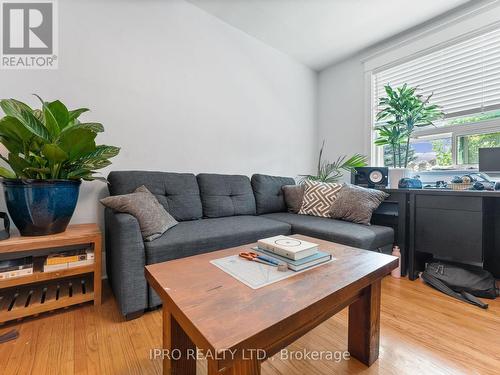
401,112
49,153
334,171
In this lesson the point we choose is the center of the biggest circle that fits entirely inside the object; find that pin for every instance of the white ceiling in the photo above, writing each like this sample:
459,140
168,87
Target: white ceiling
320,32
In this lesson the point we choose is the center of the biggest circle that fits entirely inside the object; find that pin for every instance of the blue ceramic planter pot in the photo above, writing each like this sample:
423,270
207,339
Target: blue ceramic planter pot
41,207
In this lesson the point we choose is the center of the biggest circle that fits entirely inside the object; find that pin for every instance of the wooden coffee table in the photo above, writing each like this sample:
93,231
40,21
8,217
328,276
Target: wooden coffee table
233,325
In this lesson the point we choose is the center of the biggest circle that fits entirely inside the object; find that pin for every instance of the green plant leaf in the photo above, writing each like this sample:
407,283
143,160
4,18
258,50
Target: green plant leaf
11,145
54,153
102,151
34,125
50,122
5,173
94,126
38,114
74,114
19,165
13,129
355,161
404,109
11,106
25,116
77,142
51,142
332,172
96,163
55,116
79,173
39,170
59,112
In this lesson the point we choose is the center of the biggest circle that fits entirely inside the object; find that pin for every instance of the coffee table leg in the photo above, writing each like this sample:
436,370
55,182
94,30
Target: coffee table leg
364,325
240,367
177,343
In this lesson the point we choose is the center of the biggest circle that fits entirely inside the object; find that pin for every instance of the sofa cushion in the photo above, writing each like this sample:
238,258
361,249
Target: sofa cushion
370,237
318,198
201,236
268,193
151,215
177,192
294,194
356,203
226,195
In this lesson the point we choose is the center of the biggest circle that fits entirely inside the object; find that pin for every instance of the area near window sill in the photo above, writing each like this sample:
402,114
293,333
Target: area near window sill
430,177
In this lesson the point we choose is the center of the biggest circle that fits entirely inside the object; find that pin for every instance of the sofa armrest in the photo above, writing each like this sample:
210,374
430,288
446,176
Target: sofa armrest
125,261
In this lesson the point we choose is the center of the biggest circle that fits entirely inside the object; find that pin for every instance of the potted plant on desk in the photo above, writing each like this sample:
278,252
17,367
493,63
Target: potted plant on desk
49,153
401,112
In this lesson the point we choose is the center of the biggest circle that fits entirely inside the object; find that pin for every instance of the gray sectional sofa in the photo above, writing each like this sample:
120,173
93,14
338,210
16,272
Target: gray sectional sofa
214,212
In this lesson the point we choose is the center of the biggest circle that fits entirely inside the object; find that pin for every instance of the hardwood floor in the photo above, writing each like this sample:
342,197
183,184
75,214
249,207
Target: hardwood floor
422,332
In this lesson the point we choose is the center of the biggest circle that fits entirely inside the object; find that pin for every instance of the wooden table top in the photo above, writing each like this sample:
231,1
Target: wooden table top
74,234
219,312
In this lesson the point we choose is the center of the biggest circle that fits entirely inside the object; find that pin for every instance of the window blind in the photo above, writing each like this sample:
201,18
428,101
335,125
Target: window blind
464,77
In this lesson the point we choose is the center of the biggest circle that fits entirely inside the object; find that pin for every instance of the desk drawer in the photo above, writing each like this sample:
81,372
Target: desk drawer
474,204
450,234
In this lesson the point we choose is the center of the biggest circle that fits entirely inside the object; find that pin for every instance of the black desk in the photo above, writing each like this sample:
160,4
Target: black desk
461,226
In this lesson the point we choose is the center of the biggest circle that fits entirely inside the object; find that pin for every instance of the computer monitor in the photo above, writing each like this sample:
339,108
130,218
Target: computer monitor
489,159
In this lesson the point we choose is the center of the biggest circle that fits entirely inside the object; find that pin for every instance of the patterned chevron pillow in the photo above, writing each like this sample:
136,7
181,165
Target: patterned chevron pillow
318,198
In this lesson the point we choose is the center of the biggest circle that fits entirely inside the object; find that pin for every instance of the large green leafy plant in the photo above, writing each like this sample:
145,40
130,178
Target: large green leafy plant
401,111
50,142
333,171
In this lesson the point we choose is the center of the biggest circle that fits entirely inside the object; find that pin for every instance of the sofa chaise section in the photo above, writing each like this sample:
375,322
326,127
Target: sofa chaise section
369,237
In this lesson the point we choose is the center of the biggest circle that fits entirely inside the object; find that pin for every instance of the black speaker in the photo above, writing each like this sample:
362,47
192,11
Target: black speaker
371,177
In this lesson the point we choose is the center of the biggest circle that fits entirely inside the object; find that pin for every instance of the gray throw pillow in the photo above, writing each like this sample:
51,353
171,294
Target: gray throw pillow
293,197
356,204
152,217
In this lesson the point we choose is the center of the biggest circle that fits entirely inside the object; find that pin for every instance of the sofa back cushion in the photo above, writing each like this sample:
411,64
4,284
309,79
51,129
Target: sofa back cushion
268,193
177,192
226,195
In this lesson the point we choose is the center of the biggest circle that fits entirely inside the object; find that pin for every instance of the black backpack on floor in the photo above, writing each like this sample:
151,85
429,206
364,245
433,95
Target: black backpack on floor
461,282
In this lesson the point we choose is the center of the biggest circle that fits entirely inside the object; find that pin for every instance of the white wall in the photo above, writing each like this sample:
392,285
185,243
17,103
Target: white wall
342,88
340,108
178,90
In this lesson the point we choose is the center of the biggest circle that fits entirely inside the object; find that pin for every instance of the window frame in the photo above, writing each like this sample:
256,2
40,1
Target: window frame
456,131
485,126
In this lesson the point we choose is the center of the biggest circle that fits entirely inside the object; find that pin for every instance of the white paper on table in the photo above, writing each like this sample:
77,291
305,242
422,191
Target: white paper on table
254,274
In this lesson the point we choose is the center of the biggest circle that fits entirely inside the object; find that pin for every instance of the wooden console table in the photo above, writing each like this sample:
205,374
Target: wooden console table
46,291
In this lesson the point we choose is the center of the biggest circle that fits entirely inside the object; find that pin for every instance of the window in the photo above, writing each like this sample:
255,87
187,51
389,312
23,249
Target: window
469,145
464,78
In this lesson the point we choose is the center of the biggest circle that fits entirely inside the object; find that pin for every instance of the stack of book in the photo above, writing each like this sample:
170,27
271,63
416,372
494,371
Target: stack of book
68,259
297,254
16,267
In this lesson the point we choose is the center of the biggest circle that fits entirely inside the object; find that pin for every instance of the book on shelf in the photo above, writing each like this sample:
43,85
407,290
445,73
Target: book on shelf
65,257
16,264
301,264
69,256
80,263
72,259
16,267
54,267
288,247
16,273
